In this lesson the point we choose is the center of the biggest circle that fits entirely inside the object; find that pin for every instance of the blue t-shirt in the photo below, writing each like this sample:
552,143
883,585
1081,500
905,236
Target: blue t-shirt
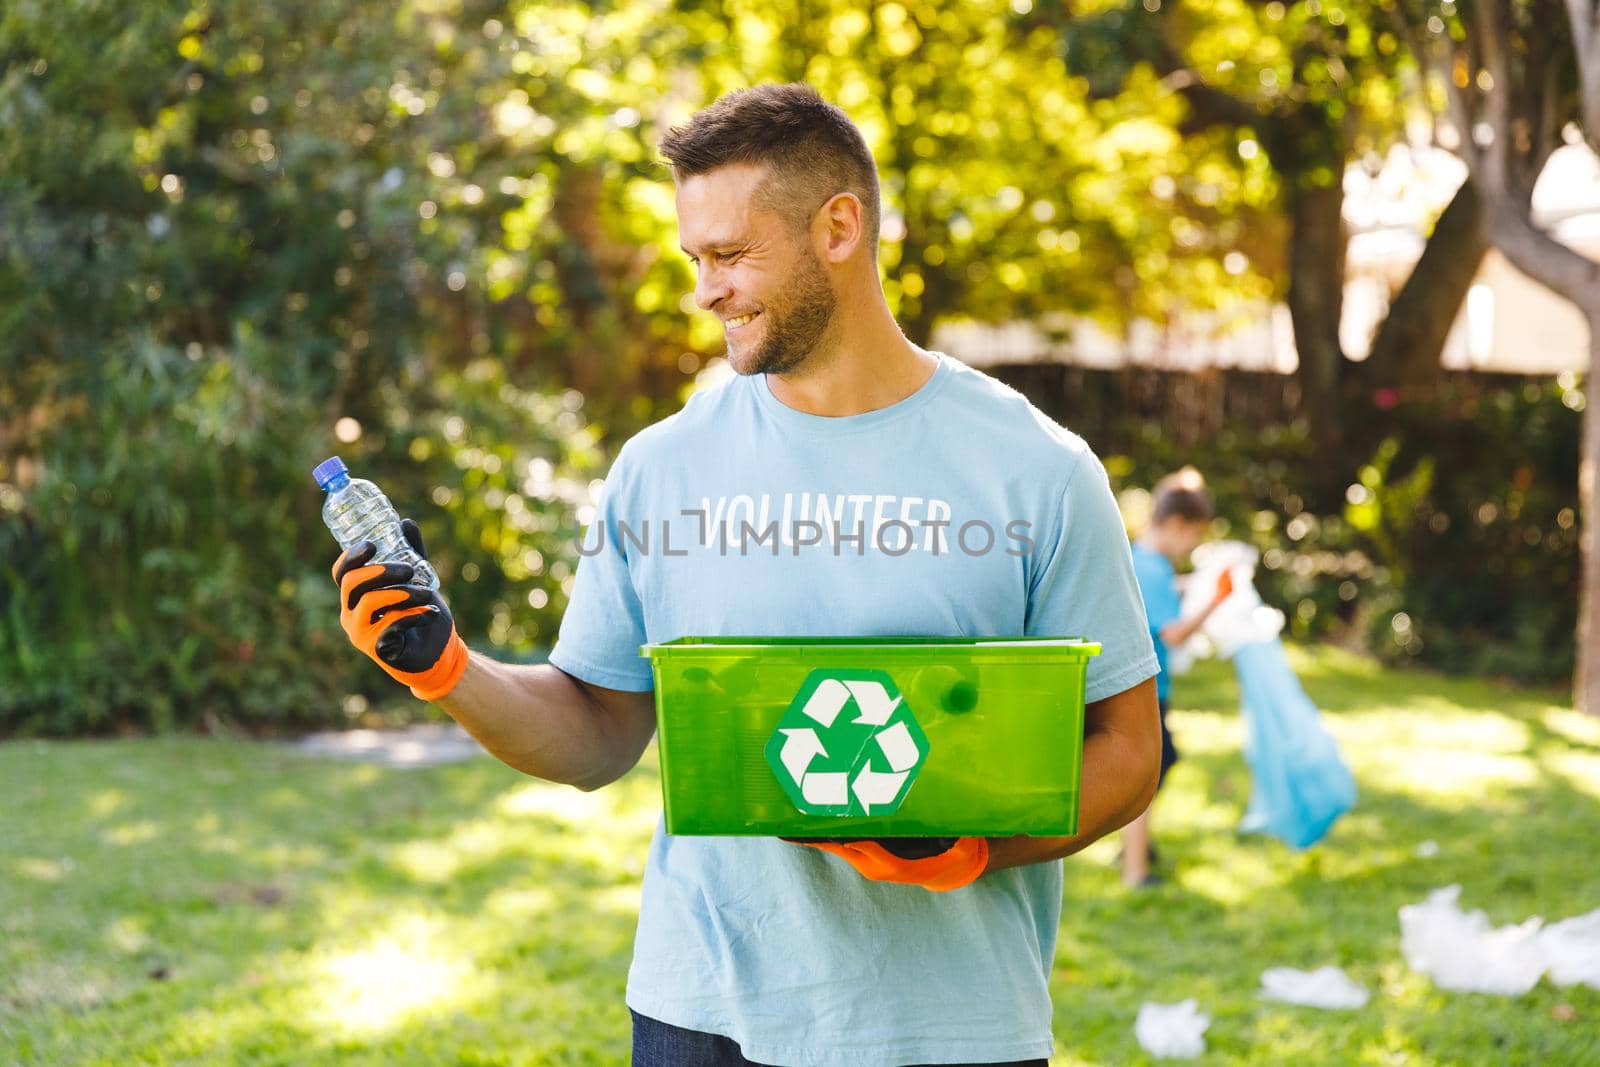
914,514
1158,584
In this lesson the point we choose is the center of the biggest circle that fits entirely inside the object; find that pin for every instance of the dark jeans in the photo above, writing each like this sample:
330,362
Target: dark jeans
659,1044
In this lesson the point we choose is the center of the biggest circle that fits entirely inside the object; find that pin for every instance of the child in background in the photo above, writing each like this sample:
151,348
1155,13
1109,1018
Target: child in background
1181,513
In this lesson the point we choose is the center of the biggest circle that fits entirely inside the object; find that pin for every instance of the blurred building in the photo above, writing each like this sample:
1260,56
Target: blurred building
1508,323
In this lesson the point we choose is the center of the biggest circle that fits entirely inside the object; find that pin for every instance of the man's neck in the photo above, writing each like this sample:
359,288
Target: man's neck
866,365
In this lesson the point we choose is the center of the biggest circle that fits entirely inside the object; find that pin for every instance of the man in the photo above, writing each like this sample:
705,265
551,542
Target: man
757,949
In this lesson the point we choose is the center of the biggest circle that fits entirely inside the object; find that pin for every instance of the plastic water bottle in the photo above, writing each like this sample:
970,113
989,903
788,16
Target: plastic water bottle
356,510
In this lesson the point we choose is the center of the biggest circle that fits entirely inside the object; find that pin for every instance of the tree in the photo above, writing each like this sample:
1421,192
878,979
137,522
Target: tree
1511,75
1315,86
1009,192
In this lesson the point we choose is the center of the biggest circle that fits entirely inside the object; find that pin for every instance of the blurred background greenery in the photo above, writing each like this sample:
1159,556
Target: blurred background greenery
432,236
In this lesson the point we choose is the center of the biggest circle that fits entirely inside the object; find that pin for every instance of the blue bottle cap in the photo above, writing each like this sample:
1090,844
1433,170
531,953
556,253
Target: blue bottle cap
329,469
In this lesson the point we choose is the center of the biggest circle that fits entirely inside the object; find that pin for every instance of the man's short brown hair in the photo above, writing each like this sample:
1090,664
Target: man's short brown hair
811,148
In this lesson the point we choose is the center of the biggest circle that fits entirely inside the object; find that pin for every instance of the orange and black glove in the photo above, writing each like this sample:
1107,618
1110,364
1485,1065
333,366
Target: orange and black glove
406,629
934,863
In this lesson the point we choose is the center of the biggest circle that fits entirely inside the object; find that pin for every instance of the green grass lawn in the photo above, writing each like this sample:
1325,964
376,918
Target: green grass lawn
183,901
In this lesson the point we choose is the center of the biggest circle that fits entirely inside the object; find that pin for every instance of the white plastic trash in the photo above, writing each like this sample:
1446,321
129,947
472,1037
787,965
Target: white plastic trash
1460,951
1325,987
1172,1031
1240,620
1571,950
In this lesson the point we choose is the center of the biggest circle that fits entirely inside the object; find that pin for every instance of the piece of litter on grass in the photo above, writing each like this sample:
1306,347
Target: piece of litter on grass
1571,950
1427,850
1461,951
1172,1031
1325,987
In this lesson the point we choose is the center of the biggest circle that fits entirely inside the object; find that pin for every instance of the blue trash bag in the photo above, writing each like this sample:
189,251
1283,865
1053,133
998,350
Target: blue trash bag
1299,783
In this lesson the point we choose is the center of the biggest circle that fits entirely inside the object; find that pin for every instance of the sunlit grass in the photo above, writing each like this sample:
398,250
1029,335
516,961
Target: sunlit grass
213,903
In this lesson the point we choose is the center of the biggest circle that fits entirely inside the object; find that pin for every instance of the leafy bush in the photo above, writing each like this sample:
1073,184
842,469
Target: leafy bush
226,252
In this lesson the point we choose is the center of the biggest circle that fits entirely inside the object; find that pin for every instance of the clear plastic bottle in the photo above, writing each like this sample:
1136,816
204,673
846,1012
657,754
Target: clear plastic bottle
357,510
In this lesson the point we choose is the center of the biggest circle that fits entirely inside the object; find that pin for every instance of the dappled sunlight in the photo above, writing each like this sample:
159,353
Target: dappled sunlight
1462,777
519,903
134,833
1208,732
1443,754
429,916
1574,726
620,900
411,968
1197,810
283,797
128,934
1331,662
535,824
1235,876
43,870
1432,723
611,807
616,855
1580,769
474,842
50,984
286,855
563,803
106,802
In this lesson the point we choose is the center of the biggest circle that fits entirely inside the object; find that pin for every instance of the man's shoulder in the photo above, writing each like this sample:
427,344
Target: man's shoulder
1008,420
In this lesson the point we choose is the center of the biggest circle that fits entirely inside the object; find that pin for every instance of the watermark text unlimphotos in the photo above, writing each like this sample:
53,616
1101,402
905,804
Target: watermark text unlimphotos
696,531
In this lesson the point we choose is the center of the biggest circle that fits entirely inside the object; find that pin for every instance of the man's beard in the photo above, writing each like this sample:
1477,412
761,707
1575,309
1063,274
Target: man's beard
794,330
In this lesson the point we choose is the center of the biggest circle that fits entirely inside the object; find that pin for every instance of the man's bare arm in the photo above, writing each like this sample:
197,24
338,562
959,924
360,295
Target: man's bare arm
1121,762
544,722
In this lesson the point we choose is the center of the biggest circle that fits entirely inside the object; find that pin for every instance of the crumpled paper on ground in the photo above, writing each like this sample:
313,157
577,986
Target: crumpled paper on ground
1325,987
1572,950
1461,951
1172,1031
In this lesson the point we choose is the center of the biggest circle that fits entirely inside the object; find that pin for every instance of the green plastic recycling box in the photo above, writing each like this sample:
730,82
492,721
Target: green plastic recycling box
861,737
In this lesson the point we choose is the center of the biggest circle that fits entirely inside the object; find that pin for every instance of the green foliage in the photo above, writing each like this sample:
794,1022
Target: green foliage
434,238
1457,545
219,248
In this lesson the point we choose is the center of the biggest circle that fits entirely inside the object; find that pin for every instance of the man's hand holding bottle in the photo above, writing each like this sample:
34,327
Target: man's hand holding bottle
404,627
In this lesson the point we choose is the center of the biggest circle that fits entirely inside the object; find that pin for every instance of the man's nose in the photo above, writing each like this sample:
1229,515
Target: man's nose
710,288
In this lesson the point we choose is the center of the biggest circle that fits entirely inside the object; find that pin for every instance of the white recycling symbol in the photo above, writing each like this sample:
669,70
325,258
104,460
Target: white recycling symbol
832,788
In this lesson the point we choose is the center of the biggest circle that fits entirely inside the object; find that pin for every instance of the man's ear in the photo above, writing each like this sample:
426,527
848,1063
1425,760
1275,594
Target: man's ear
839,228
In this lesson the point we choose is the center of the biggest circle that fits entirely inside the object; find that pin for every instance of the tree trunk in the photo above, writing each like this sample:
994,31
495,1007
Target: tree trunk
1586,679
1316,296
1406,351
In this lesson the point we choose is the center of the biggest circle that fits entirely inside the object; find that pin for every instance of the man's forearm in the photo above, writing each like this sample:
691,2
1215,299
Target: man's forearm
540,720
1118,782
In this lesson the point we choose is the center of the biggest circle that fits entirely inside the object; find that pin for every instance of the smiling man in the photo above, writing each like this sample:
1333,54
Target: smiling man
759,950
